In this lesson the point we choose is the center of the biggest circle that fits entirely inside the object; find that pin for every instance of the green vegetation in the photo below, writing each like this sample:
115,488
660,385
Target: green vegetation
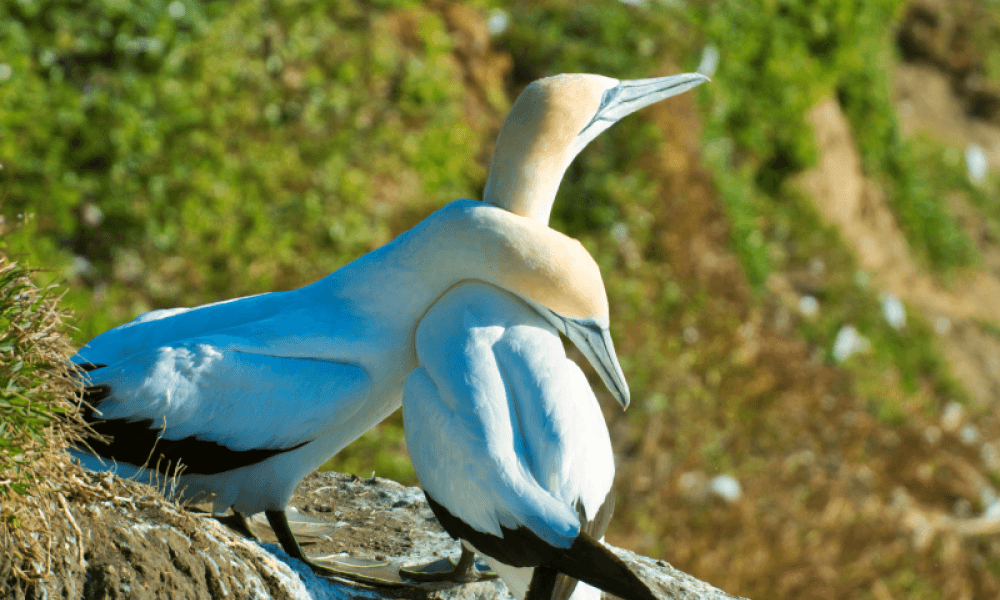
899,164
197,152
767,82
31,394
990,328
946,171
37,420
757,140
205,140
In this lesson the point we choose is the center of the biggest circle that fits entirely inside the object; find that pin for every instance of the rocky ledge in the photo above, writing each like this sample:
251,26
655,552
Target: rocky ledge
115,547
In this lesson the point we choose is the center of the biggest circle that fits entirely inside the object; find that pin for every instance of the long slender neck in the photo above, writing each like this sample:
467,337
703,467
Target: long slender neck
472,240
535,146
525,185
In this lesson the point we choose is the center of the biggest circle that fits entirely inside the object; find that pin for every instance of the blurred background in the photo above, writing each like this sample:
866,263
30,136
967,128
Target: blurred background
802,257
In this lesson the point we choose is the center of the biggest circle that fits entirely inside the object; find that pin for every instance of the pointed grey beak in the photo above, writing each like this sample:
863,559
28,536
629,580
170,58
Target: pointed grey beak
631,95
595,342
593,338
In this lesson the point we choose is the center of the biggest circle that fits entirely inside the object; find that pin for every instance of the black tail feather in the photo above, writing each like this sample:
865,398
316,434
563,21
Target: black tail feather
590,561
543,584
564,587
93,394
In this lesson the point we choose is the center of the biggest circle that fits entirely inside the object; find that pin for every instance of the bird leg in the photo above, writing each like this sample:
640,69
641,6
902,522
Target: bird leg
238,523
376,574
464,571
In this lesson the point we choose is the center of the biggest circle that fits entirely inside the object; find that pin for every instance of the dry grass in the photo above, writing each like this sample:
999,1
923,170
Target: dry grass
41,488
38,421
39,384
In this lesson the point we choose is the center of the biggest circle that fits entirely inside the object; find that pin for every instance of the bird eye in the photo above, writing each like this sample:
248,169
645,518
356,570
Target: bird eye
606,98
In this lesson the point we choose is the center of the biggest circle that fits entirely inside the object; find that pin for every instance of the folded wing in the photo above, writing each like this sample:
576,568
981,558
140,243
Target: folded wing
163,327
216,408
492,420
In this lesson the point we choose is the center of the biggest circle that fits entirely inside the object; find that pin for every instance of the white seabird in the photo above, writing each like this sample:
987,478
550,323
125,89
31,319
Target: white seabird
511,448
254,393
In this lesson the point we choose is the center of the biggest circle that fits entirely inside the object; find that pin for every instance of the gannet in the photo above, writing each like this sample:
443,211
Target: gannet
511,449
252,394
552,120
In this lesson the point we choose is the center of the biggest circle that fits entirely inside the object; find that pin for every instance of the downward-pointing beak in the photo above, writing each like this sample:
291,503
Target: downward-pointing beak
632,94
593,338
595,343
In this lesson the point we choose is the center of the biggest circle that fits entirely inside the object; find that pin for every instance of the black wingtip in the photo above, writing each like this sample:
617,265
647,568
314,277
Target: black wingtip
93,394
592,562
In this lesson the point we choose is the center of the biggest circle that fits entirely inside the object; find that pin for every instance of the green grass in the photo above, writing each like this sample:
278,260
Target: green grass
30,390
756,134
756,140
915,183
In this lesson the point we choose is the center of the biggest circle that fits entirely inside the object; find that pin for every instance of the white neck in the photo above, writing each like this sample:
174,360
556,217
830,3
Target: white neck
471,240
524,186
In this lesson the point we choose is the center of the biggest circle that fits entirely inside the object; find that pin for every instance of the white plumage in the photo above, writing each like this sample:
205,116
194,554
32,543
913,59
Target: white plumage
505,433
500,422
503,430
255,393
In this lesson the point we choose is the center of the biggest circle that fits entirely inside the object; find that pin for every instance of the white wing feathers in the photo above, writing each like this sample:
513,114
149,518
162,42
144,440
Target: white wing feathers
502,428
241,400
159,327
567,441
486,494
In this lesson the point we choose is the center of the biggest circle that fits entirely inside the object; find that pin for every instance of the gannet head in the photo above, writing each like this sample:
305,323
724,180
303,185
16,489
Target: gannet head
556,275
552,121
593,337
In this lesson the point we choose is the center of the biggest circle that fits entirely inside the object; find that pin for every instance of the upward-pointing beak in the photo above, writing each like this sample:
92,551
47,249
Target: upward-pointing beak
632,94
595,343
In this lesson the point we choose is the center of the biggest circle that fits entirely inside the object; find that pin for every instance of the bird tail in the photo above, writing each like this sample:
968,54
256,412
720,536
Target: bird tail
592,562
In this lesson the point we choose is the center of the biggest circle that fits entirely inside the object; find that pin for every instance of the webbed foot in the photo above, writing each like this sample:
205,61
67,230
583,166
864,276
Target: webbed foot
370,573
444,569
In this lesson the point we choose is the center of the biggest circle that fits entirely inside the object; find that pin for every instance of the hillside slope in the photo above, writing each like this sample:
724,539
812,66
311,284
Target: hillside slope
742,231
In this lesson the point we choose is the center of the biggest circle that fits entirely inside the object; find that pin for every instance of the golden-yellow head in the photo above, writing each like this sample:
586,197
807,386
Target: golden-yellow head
552,121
